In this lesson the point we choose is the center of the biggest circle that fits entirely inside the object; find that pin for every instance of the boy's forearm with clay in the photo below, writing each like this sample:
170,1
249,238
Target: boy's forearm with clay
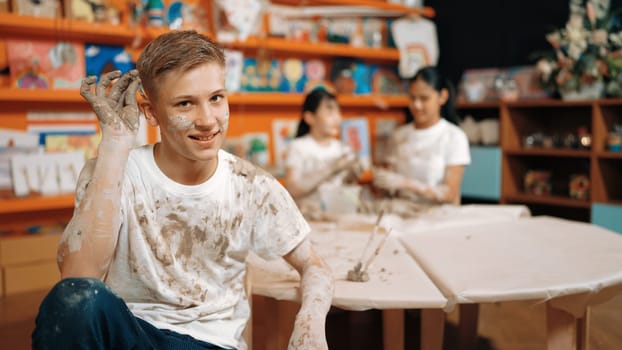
316,288
88,243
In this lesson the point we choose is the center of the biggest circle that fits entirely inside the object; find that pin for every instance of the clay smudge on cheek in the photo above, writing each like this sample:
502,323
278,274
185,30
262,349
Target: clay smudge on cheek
180,123
225,121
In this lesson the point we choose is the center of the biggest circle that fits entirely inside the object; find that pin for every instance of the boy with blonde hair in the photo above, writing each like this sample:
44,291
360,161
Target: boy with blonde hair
154,256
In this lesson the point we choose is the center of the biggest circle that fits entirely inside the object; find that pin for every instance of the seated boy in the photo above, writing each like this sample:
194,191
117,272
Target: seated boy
154,256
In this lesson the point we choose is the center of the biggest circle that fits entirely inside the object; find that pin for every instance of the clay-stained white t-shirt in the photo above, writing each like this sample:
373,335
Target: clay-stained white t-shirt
180,258
306,156
424,154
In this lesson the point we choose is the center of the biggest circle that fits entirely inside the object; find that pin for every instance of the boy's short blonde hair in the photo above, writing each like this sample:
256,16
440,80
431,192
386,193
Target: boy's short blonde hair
175,50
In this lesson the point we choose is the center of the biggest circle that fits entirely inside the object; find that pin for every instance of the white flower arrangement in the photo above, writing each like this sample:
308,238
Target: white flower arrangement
586,52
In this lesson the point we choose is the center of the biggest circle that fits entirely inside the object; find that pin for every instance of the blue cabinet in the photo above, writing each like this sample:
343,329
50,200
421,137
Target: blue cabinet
608,216
482,178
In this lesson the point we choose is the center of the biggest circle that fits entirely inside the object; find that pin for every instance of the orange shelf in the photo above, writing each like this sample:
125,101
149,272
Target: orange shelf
376,4
545,152
151,33
35,203
316,49
65,29
548,200
290,99
15,95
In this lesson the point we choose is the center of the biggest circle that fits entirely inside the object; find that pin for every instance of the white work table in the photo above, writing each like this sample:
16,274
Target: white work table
568,265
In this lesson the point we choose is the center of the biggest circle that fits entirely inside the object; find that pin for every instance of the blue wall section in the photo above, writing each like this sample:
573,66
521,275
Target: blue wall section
482,178
608,216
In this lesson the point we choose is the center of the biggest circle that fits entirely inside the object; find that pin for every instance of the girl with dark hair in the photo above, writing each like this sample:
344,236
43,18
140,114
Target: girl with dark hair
316,157
428,154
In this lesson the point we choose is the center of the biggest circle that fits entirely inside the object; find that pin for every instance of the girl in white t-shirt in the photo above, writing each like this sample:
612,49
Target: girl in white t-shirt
316,159
428,155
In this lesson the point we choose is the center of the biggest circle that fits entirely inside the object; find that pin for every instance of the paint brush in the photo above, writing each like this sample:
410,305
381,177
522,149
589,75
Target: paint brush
371,237
377,251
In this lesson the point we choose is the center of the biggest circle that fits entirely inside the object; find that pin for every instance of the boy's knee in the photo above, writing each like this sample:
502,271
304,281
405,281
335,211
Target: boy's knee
80,294
72,309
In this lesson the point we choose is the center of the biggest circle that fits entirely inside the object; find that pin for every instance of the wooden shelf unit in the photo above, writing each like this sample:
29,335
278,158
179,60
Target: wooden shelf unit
521,118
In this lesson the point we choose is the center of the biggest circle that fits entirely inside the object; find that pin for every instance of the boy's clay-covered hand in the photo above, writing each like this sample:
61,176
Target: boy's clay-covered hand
116,108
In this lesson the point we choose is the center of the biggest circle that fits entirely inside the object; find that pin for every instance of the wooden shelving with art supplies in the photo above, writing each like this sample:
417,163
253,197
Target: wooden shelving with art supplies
547,155
558,157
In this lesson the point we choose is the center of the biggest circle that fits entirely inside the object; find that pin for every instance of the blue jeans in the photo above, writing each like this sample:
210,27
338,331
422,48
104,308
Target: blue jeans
83,313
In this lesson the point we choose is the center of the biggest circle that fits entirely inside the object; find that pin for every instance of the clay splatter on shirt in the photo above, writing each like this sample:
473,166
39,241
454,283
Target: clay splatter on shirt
246,169
273,209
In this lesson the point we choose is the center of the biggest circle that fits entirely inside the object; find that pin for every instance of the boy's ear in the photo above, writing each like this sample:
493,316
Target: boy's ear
147,108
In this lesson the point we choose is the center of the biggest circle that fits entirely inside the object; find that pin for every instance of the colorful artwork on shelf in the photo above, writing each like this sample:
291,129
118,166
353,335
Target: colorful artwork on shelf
294,75
45,64
355,133
350,77
315,71
85,143
261,75
385,81
102,59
